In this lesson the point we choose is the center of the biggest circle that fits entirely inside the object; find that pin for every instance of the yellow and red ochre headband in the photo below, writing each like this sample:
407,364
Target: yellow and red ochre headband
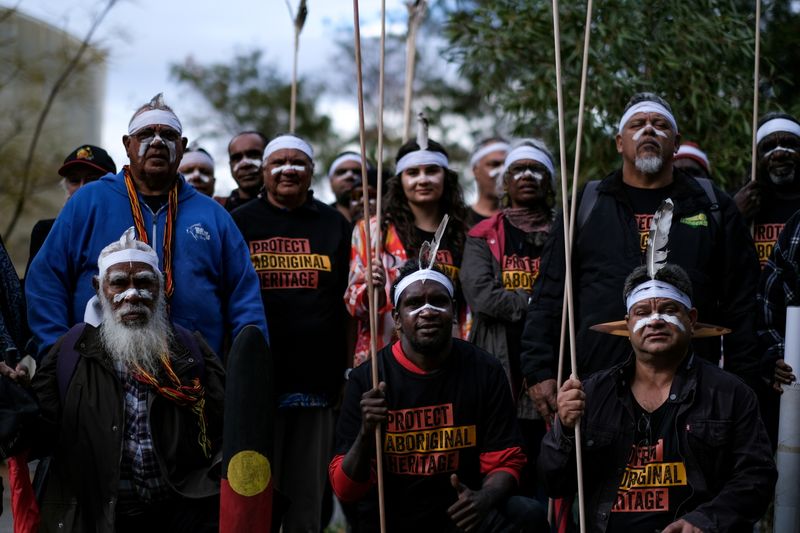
648,106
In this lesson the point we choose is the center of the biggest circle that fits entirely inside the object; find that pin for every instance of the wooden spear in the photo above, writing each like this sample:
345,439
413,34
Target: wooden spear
371,295
379,192
299,22
568,252
416,12
755,91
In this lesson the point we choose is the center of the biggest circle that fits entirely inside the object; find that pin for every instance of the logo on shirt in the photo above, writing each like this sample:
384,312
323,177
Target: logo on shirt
696,221
765,237
520,272
643,225
198,232
646,480
424,441
284,263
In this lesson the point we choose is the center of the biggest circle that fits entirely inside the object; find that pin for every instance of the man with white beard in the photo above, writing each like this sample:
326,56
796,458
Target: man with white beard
131,410
708,238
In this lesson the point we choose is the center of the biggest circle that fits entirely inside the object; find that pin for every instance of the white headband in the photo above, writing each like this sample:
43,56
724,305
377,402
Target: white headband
422,275
657,289
343,159
488,149
128,255
685,149
530,152
153,117
197,157
289,142
421,157
777,124
647,107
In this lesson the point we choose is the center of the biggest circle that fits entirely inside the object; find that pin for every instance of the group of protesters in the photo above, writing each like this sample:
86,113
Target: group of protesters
135,293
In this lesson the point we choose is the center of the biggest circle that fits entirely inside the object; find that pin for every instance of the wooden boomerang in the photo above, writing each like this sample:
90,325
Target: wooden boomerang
620,328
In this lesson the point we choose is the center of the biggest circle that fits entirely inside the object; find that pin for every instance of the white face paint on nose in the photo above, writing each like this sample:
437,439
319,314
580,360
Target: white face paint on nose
144,294
537,176
658,132
655,317
197,175
418,310
780,148
245,162
435,178
284,168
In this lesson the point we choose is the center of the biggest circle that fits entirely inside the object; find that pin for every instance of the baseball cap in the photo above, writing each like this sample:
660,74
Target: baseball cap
91,156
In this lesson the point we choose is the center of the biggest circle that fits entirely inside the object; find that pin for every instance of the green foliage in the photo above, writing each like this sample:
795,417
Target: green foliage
698,55
248,94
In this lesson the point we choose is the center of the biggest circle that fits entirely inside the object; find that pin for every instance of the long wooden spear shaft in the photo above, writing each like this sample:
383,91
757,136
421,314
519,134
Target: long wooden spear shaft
416,11
373,344
755,91
379,195
568,253
576,171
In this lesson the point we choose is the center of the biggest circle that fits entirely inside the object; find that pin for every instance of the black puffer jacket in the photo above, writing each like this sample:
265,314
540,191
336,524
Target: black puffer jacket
85,434
719,433
719,258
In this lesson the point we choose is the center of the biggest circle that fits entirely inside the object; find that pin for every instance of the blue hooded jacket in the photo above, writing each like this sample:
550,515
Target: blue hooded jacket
216,288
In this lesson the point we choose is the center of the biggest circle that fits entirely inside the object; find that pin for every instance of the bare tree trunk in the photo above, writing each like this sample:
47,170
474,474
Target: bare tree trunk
51,97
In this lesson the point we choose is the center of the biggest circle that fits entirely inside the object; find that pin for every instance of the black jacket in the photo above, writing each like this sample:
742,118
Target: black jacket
719,258
719,433
85,434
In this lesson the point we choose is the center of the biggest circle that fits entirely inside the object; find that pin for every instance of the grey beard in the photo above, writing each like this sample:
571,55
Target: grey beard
140,344
648,165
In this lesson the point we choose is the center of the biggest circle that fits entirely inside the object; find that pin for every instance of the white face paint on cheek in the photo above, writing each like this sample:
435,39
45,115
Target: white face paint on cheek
144,294
247,163
655,317
284,168
433,179
537,176
418,310
658,132
780,148
173,154
144,145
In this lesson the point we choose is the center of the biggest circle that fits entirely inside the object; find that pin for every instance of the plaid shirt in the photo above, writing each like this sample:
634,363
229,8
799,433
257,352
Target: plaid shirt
140,475
777,290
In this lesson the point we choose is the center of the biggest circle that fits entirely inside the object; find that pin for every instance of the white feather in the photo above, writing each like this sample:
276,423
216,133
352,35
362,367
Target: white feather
657,243
428,250
422,131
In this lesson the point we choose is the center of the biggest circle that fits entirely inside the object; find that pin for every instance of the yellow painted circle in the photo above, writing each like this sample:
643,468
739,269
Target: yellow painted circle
249,473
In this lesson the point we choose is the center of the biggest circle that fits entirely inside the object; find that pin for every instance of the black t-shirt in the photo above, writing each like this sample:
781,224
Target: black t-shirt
473,217
645,203
769,222
439,423
156,201
654,482
520,268
301,257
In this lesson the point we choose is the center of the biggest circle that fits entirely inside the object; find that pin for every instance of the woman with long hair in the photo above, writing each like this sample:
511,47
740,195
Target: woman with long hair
421,192
500,265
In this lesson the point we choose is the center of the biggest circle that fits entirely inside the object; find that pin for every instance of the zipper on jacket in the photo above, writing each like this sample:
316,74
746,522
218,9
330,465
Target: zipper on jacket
154,239
683,458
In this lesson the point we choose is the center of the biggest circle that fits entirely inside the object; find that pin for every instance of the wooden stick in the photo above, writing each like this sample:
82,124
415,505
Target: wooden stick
370,285
379,157
567,253
293,107
755,91
416,11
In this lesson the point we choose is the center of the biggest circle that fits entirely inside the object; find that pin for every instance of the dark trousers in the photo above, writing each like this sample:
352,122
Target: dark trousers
178,515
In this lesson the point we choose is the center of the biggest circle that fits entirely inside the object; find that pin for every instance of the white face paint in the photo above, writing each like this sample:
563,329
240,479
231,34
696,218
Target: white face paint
434,177
144,294
245,162
418,310
537,176
780,148
496,172
145,144
284,168
658,132
348,174
197,175
655,317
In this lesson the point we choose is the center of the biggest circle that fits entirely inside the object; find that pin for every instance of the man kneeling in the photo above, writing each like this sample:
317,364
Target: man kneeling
451,448
670,442
131,410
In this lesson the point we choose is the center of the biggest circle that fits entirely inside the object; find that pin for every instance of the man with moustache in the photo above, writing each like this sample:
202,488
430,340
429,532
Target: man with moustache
131,409
487,166
707,238
774,196
210,285
300,249
244,157
670,442
451,449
